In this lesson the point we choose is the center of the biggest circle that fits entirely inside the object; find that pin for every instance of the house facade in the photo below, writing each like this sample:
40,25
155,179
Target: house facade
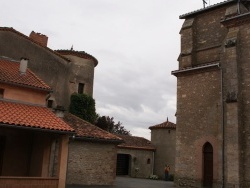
29,131
135,157
212,133
163,137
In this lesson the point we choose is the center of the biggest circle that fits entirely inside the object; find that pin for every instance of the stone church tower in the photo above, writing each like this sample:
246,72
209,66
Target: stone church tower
213,96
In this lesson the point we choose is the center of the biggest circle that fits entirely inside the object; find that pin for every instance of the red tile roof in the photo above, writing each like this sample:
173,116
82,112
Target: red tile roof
9,73
22,115
165,125
87,131
80,54
134,142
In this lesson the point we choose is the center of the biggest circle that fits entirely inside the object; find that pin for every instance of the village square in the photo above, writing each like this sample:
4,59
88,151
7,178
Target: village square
52,137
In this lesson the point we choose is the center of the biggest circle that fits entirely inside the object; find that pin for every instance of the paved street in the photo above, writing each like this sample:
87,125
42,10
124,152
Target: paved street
127,182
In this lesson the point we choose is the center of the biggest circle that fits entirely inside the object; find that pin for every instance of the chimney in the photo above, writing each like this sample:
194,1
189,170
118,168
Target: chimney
40,38
23,66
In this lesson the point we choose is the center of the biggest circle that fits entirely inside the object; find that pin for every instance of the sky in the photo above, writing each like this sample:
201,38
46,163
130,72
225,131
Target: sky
136,43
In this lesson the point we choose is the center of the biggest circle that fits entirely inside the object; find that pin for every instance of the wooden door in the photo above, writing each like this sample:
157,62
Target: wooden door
208,165
2,144
122,164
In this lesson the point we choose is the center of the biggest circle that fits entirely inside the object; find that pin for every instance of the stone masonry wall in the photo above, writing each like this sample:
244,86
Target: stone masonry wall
244,97
139,159
91,163
198,122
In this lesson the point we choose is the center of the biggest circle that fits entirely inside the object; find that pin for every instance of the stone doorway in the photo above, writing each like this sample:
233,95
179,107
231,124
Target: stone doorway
207,165
122,164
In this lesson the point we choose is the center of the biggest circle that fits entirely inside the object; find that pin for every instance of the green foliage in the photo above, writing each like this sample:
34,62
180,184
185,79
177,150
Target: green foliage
83,106
153,177
108,124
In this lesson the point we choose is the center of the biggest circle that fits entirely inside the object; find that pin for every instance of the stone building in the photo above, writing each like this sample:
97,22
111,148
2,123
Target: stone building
163,137
135,157
213,94
66,71
92,154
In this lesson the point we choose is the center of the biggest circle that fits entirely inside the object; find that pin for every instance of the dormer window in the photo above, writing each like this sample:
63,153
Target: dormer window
80,88
1,92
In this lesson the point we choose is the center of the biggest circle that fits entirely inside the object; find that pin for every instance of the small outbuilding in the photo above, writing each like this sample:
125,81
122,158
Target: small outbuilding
92,154
135,157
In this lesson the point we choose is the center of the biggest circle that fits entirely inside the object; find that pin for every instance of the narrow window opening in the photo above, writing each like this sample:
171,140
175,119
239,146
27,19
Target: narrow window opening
80,88
1,92
50,103
148,161
169,131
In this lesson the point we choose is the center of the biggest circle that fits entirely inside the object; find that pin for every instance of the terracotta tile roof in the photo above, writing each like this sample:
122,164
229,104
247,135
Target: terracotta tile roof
10,29
87,131
134,142
81,54
9,73
22,115
165,125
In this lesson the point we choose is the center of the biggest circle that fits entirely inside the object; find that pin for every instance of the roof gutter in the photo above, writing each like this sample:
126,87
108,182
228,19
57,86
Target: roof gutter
37,129
27,86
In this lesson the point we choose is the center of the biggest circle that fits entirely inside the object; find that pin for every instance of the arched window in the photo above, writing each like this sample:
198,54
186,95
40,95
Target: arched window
207,165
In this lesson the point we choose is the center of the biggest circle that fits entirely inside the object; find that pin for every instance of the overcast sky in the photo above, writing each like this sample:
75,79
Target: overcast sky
136,43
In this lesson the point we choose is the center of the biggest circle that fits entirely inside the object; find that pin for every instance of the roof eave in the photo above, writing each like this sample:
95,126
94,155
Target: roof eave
136,148
191,69
190,14
37,129
93,139
49,90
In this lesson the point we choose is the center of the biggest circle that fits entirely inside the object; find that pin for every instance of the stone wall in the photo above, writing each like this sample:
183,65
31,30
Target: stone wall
139,159
213,105
91,163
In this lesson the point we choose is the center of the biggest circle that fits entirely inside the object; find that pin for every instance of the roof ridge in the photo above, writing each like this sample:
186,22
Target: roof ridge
206,8
32,40
77,53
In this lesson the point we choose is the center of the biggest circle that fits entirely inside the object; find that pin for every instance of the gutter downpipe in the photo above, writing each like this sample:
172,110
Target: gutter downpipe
153,165
238,6
223,129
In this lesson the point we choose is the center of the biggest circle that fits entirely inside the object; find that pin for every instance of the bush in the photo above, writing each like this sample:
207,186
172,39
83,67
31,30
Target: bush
153,177
83,106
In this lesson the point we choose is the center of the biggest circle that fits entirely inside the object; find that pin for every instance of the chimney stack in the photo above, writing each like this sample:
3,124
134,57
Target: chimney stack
40,38
23,65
